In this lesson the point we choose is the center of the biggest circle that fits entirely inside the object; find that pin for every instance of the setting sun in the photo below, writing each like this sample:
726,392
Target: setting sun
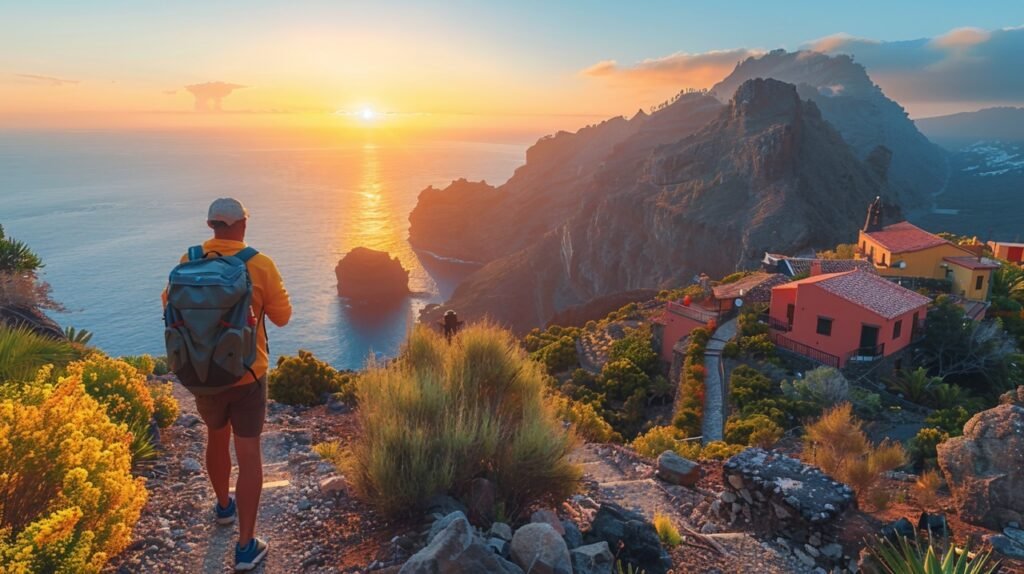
368,114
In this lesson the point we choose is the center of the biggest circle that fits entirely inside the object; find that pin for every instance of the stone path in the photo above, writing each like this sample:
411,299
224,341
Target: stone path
713,426
613,474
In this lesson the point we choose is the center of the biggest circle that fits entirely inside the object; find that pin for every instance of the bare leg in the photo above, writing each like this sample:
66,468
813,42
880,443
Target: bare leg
249,485
218,462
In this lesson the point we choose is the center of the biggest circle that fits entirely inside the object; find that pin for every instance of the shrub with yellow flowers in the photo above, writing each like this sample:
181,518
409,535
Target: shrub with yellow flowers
69,499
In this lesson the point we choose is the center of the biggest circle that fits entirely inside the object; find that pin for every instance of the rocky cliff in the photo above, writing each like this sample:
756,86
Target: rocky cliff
858,108
474,221
367,275
767,173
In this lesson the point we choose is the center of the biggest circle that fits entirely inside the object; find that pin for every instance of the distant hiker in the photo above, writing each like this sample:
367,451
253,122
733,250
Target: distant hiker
215,309
450,324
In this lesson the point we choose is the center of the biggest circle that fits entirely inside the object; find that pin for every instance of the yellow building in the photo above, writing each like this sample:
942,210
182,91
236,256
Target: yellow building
905,250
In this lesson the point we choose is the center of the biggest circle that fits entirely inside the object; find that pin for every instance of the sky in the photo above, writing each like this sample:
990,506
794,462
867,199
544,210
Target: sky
526,65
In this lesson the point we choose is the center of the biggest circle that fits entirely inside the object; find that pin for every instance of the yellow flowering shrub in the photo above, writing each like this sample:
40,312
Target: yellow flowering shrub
119,386
165,406
68,501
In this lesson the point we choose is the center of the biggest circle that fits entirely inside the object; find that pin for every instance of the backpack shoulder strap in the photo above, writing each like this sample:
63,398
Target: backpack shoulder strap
246,254
195,253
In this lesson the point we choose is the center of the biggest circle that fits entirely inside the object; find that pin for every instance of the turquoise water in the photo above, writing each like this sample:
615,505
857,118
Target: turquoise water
111,213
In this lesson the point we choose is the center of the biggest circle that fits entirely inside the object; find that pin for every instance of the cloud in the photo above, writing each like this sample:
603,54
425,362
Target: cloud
966,67
209,95
680,70
48,80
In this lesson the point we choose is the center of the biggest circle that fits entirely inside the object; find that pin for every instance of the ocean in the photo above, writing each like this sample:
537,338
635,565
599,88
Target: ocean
110,213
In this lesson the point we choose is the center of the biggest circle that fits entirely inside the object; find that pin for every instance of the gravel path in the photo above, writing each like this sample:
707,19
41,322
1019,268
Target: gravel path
308,529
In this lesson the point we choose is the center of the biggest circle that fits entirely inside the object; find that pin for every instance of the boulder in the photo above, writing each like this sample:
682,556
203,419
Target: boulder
442,523
1006,546
454,550
501,530
897,529
548,516
631,532
984,468
573,537
592,559
539,549
675,469
935,524
332,484
368,275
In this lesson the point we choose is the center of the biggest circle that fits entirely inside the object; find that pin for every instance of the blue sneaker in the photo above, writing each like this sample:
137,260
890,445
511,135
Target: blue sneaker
249,557
225,515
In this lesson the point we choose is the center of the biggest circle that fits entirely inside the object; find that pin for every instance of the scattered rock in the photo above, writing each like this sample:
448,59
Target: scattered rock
501,530
638,538
441,523
547,516
984,468
454,550
188,420
573,537
675,469
1006,546
332,484
444,505
191,465
592,559
935,524
897,529
539,549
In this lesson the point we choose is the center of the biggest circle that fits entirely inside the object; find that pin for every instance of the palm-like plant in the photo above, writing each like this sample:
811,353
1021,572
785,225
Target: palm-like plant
915,386
78,336
16,257
920,557
1008,281
23,352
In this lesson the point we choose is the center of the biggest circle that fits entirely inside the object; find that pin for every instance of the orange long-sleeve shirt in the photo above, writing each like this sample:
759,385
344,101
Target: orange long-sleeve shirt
268,296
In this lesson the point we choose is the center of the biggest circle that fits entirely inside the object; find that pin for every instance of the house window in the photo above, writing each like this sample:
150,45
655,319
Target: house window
979,281
824,326
897,329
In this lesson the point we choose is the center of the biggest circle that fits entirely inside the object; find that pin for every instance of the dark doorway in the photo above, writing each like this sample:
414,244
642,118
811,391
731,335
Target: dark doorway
868,340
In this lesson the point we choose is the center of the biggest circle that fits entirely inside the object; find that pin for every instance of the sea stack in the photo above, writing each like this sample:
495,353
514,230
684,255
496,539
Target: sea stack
369,275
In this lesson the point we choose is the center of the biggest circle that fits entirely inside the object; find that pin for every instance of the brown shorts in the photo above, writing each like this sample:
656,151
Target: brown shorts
244,407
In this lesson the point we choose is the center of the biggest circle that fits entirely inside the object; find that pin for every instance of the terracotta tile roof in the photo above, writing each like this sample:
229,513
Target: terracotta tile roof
802,265
756,287
972,263
904,237
870,291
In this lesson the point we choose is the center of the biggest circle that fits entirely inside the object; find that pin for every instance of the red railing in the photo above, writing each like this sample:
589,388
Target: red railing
775,324
868,354
783,342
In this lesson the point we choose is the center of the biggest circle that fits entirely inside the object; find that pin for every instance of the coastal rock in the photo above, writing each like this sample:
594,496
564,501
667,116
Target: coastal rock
368,275
539,549
984,468
592,559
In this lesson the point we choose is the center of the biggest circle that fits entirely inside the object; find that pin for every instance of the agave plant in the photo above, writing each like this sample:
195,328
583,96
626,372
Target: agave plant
921,557
78,336
915,386
22,352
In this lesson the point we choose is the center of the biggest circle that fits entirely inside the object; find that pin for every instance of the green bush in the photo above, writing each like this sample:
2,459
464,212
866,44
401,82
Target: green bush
16,256
142,363
69,499
923,447
756,430
306,380
748,386
622,379
637,347
442,414
585,420
759,346
718,450
950,421
823,387
661,438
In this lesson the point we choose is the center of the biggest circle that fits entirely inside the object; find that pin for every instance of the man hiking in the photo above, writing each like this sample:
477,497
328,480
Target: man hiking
216,305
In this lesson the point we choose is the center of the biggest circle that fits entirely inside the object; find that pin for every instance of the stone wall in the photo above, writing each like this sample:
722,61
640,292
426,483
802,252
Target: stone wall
785,500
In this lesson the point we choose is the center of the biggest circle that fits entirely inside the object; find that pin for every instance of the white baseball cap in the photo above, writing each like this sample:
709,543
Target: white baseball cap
228,210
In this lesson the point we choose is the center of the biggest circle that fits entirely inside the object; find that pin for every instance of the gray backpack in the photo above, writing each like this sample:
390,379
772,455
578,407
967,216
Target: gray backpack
210,329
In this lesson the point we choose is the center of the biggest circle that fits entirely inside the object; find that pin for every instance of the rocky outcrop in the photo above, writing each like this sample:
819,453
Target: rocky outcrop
858,108
984,468
368,275
784,499
455,550
32,319
768,173
675,469
537,547
637,538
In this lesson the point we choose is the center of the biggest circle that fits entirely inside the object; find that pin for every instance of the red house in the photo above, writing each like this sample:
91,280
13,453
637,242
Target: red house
836,318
